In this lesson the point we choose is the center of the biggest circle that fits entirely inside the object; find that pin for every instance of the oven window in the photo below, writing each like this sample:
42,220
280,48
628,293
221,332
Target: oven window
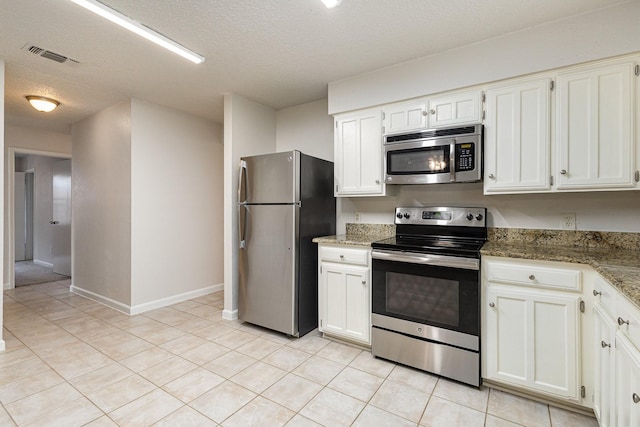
406,296
421,160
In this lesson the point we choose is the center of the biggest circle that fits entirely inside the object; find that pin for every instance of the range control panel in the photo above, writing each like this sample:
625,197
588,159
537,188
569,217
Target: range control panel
451,216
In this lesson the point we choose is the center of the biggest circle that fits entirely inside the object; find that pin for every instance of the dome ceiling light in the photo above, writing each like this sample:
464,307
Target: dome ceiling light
42,103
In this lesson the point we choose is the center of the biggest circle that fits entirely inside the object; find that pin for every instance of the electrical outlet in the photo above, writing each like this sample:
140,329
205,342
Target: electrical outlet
568,221
356,216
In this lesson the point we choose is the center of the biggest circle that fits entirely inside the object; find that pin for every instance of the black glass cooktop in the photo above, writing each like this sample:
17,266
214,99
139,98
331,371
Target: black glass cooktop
444,245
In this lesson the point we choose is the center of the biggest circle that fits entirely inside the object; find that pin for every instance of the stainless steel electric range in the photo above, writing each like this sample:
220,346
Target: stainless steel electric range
426,291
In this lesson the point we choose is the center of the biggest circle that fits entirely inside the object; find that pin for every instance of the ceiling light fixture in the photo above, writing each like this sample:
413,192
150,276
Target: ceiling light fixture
42,104
329,3
139,29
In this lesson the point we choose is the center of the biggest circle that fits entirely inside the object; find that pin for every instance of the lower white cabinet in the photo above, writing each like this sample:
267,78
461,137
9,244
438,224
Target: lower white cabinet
604,367
345,293
532,337
627,390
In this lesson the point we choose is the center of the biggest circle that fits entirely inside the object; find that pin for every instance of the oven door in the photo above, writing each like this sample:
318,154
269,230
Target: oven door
427,296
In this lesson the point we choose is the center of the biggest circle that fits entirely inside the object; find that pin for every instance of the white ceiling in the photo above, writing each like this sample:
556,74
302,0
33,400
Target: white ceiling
277,52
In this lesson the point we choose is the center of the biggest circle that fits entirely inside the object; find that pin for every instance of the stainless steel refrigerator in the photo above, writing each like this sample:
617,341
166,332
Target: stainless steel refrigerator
284,201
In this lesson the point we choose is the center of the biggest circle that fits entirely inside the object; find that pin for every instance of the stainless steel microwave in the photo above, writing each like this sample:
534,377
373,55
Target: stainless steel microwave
434,156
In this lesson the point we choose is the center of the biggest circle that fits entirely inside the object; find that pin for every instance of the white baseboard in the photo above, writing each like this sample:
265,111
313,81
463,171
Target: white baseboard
6,286
152,305
3,346
42,263
101,299
163,302
230,314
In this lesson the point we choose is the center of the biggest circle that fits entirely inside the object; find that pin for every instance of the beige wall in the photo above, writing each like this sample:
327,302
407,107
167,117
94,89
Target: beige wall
176,204
249,129
101,207
2,173
307,128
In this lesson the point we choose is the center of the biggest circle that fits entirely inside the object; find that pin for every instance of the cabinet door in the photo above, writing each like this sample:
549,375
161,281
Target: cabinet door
358,154
627,382
595,128
533,340
517,138
604,329
346,307
455,109
404,117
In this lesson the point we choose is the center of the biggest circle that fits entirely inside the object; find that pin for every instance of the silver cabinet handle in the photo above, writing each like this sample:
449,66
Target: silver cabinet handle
596,293
425,112
377,181
605,345
491,304
532,277
54,222
341,256
563,172
636,398
432,111
364,282
491,176
621,321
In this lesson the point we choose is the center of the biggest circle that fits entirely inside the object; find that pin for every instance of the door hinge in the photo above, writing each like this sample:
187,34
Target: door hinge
637,176
383,116
336,188
637,70
552,85
583,392
483,114
336,125
484,97
551,180
582,306
320,269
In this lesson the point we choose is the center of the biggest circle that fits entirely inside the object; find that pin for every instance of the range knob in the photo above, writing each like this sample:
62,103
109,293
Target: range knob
479,217
469,216
406,215
399,215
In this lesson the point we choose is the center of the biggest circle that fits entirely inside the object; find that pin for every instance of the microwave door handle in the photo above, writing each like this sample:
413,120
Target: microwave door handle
452,160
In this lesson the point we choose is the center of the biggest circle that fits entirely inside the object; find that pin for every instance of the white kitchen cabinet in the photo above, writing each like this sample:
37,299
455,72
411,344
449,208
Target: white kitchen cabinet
533,339
345,293
358,154
604,367
594,128
517,139
455,109
405,116
627,366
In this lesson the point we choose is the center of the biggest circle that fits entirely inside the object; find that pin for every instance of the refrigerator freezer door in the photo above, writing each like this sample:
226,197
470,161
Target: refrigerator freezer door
267,285
270,178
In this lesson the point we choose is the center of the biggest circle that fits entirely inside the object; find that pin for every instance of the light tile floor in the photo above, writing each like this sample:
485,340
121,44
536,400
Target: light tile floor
71,361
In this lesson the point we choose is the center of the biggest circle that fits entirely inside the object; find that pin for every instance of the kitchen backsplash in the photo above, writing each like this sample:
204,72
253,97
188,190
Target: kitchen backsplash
375,231
590,239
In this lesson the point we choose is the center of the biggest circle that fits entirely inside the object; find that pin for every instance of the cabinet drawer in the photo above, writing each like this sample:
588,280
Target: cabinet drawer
532,274
606,296
344,255
627,312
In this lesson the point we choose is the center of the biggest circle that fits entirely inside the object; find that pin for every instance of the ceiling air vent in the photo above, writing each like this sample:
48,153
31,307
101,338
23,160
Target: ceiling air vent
35,50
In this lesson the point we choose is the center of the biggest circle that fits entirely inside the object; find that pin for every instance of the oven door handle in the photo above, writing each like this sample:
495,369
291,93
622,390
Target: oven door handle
428,259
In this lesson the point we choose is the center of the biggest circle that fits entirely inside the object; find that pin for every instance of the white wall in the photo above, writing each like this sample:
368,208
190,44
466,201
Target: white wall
307,128
2,192
599,34
249,129
176,203
26,140
101,207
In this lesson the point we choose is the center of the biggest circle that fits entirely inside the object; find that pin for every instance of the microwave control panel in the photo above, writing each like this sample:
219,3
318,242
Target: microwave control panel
465,155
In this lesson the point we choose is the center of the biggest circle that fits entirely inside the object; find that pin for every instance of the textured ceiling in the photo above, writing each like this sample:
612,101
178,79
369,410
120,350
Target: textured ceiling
277,52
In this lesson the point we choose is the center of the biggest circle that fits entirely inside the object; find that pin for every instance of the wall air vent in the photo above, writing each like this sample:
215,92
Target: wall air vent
35,50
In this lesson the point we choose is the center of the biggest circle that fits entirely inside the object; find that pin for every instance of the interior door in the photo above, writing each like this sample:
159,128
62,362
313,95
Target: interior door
61,218
19,212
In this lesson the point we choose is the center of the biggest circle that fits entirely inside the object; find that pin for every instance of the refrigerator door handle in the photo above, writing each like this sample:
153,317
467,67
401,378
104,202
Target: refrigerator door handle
242,219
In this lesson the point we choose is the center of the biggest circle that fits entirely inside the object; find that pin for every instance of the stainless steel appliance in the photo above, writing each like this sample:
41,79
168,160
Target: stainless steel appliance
284,200
434,156
426,291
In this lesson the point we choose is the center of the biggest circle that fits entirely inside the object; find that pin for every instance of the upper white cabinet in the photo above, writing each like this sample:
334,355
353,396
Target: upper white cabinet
450,109
358,154
405,116
517,137
455,109
594,129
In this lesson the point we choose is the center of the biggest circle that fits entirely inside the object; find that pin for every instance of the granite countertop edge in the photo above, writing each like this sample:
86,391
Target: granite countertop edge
619,267
346,240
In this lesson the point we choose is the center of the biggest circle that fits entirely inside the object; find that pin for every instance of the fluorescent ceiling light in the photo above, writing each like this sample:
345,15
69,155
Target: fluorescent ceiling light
329,3
42,104
139,29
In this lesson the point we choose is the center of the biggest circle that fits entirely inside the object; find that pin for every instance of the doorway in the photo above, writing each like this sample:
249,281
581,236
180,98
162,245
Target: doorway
39,217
